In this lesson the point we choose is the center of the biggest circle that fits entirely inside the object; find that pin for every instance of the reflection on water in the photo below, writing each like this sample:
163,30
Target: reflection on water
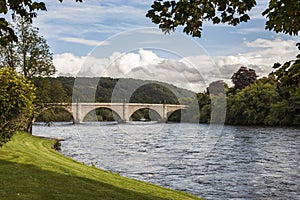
243,163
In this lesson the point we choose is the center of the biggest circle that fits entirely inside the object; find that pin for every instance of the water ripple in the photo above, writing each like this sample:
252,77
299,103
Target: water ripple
245,163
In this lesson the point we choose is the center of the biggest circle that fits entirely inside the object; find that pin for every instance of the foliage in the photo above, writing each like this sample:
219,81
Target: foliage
251,106
192,14
263,102
30,55
149,92
243,77
146,113
55,114
282,15
50,90
16,103
285,112
102,114
153,93
25,9
289,74
204,101
117,90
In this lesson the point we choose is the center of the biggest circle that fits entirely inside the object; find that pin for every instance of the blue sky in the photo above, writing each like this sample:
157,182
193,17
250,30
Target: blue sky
76,31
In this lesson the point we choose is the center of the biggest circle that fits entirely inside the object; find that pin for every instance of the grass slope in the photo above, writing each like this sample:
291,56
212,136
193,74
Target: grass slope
31,169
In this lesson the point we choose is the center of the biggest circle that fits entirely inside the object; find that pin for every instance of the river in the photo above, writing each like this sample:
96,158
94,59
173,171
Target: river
229,163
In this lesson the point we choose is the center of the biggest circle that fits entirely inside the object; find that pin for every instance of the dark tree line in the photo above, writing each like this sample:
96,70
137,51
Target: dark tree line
263,101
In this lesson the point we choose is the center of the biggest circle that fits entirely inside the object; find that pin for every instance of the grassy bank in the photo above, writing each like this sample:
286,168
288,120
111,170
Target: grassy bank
31,169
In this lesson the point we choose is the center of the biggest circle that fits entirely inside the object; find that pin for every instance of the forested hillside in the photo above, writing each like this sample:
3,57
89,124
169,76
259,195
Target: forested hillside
60,89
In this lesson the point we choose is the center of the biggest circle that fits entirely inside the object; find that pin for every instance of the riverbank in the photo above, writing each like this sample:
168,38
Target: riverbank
30,168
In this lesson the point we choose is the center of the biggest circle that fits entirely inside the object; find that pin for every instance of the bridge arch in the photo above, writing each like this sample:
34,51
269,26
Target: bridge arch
146,113
54,113
157,109
100,114
176,115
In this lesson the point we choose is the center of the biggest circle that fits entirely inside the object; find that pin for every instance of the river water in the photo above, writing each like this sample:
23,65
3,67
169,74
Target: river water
227,162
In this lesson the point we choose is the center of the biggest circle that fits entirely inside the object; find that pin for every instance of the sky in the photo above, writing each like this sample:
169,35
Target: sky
114,38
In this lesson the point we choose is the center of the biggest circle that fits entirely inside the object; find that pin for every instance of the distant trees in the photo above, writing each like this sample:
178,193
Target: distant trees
50,90
16,103
204,101
265,101
54,114
30,55
251,105
154,93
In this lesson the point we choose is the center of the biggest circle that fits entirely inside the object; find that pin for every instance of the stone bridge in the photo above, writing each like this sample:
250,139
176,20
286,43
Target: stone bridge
123,110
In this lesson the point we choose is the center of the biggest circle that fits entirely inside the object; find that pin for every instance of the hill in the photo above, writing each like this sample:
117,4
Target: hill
107,89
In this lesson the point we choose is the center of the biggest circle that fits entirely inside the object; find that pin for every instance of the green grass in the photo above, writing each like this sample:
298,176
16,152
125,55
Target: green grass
31,169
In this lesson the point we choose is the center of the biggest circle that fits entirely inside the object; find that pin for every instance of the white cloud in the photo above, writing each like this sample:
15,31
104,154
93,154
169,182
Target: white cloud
261,56
67,64
84,41
194,72
144,64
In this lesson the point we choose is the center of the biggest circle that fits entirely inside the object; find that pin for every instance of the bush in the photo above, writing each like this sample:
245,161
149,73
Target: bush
16,103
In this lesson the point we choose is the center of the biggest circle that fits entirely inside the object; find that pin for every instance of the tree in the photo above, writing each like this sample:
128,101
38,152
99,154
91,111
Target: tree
243,77
285,112
282,15
49,90
16,103
204,101
30,55
26,9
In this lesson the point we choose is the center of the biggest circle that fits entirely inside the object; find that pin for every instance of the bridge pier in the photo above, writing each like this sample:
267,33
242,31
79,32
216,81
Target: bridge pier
77,109
125,117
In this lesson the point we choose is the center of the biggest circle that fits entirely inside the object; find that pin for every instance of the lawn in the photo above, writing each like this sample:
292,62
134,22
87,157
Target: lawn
31,169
